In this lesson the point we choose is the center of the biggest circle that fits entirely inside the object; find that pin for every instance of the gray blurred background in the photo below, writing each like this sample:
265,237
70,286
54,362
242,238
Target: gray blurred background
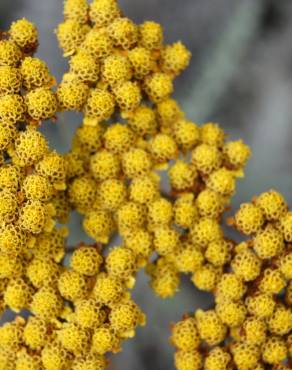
240,76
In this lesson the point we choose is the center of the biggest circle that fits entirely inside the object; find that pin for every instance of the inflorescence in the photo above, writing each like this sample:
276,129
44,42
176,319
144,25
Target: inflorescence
120,76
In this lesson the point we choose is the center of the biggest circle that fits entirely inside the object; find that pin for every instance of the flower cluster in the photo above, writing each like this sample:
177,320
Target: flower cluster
25,81
114,63
250,325
30,173
60,337
121,77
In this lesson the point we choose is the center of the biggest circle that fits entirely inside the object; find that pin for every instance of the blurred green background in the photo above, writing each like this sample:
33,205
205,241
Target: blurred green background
240,76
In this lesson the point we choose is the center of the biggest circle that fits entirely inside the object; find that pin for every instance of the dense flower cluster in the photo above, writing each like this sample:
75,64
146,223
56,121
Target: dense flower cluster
121,77
115,63
250,325
30,173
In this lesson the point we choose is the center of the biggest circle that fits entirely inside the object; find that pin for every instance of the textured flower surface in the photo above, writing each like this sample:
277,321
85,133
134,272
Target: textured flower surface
133,136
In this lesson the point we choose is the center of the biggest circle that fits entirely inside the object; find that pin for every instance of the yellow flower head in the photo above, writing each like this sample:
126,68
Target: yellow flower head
89,362
210,327
164,277
121,262
185,211
26,360
205,231
222,181
72,285
89,138
212,134
12,238
163,148
131,216
99,225
150,35
144,189
97,43
175,58
236,154
41,104
77,10
125,317
118,138
158,86
128,96
55,357
30,147
70,35
142,121
112,194
11,335
185,335
108,289
73,338
86,260
246,265
209,203
230,287
186,134
246,356
249,218
217,359
10,177
274,350
206,158
47,303
35,73
254,331
160,212
103,12
25,34
105,165
141,62
140,242
269,242
88,313
168,112
188,258
231,313
82,193
37,187
8,133
104,340
35,333
206,277
72,95
188,360
8,206
116,69
12,108
123,32
285,225
85,67
261,305
218,252
18,294
10,80
10,53
136,162
166,240
42,271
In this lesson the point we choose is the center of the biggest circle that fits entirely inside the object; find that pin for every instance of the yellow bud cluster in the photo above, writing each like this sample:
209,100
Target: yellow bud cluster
84,310
117,59
252,312
30,177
